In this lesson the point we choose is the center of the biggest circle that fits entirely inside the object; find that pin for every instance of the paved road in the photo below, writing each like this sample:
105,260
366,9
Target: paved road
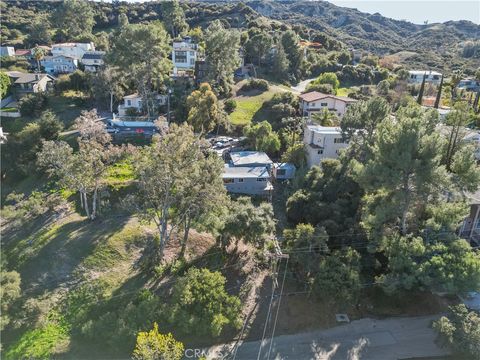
365,339
302,85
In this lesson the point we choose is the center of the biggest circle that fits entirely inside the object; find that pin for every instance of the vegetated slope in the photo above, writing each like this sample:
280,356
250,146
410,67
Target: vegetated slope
373,32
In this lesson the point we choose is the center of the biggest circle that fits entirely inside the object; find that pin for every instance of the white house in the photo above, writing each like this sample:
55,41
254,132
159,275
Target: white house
315,101
184,54
75,50
135,101
416,76
7,51
59,64
322,142
250,158
250,180
92,60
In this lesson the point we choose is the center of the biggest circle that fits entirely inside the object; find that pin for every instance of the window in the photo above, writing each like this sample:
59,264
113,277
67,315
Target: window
181,57
129,103
436,77
320,151
240,180
192,61
281,172
324,104
228,181
261,179
192,53
338,141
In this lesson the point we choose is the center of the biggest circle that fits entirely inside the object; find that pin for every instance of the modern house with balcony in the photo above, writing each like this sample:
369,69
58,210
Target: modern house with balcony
59,64
322,143
184,54
314,101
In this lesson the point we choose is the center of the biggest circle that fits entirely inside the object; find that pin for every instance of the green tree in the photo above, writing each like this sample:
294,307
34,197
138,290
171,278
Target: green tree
32,104
4,85
174,18
291,44
68,21
50,126
166,171
247,222
438,99
153,345
338,277
221,54
404,169
456,122
296,155
81,171
204,112
280,63
325,117
326,78
259,46
39,32
9,291
460,330
359,124
422,90
262,138
108,85
140,52
38,54
201,305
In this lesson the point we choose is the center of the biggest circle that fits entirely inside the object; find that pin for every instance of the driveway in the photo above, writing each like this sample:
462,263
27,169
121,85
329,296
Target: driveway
366,339
302,85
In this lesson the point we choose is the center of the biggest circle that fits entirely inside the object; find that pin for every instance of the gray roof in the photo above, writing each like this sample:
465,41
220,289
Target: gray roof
26,78
93,55
245,172
250,158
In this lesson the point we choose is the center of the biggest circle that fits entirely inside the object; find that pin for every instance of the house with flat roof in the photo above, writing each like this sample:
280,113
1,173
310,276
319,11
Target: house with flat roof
250,180
322,142
250,158
184,54
93,60
315,101
74,50
416,76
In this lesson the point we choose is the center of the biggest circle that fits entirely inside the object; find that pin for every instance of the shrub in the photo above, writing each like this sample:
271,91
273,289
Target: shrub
323,88
50,126
255,84
131,111
230,105
32,104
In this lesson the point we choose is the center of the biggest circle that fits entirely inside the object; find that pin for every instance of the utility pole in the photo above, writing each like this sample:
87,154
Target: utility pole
168,106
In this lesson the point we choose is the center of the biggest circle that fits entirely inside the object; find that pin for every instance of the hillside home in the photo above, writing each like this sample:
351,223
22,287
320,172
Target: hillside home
315,101
75,50
93,60
469,84
283,171
7,51
416,76
250,180
248,172
184,54
473,138
59,64
26,83
322,143
134,101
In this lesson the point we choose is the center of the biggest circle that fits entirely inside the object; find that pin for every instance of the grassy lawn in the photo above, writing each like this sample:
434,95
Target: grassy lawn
248,106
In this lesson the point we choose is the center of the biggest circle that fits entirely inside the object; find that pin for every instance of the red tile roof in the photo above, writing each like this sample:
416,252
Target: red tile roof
22,52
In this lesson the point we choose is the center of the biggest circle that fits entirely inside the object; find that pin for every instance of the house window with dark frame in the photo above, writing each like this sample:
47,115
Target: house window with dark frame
281,172
228,181
181,57
240,180
319,152
261,179
323,104
339,141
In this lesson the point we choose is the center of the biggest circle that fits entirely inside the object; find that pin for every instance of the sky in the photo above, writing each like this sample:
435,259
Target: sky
418,11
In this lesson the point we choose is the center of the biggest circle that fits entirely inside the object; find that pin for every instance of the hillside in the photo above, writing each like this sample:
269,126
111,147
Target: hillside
376,33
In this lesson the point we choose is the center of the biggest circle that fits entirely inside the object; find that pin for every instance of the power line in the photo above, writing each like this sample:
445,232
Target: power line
278,309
